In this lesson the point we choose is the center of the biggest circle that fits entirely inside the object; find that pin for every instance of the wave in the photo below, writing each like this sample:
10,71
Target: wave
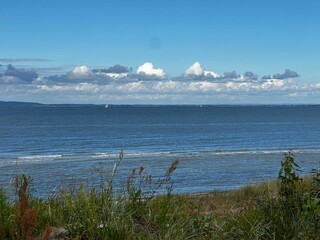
39,157
259,151
134,154
98,156
112,155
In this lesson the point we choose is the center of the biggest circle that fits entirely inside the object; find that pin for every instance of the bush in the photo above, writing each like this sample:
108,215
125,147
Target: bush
292,212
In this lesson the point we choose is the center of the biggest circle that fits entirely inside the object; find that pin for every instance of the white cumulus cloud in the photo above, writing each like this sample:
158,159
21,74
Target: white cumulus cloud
148,69
273,83
81,70
211,73
195,69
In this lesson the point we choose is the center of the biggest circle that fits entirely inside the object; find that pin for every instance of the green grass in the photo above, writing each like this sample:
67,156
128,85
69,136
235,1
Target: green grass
288,208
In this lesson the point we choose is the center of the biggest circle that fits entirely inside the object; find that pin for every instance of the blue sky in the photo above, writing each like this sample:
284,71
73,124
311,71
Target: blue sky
263,37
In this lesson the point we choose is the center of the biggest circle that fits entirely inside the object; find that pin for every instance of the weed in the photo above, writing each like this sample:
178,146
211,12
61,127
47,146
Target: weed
25,216
147,209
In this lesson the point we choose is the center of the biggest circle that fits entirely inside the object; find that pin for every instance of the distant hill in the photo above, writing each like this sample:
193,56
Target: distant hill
20,104
33,104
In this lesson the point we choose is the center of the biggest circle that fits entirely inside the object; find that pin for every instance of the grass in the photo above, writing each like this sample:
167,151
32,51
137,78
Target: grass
288,208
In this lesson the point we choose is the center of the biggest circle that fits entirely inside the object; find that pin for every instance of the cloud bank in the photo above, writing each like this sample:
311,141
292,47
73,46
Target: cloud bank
14,75
149,84
287,74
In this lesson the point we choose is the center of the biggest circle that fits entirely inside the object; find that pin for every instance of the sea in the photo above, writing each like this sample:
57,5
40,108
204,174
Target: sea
218,147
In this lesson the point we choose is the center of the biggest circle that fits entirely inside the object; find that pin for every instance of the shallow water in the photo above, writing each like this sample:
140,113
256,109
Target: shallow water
219,147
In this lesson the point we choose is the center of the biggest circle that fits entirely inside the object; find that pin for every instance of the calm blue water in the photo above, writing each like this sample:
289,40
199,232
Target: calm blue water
219,147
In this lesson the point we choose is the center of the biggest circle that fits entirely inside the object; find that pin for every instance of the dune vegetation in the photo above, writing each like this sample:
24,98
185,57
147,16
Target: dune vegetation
288,208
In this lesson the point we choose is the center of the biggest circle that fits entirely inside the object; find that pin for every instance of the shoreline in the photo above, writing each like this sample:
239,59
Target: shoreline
214,174
38,104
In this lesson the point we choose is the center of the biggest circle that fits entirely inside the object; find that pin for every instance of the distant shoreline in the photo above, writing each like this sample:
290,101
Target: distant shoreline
7,104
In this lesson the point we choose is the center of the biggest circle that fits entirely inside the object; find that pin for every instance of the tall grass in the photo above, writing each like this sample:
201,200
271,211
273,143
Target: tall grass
145,208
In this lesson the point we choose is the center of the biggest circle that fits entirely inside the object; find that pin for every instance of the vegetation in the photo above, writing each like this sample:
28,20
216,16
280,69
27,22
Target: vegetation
288,208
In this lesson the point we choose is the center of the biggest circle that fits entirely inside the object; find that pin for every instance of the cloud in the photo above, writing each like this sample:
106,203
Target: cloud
273,83
97,75
10,80
148,69
211,74
132,87
87,87
231,75
287,74
196,69
168,86
13,60
81,74
118,84
197,73
204,86
250,75
169,91
114,69
78,74
14,75
82,70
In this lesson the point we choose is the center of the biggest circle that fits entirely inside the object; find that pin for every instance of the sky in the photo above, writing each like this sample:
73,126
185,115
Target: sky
160,52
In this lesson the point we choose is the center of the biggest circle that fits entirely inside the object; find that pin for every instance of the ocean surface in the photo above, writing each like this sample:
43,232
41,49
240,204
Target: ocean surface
218,147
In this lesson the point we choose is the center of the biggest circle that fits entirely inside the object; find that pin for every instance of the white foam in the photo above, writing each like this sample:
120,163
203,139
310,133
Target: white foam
243,152
38,158
132,154
152,155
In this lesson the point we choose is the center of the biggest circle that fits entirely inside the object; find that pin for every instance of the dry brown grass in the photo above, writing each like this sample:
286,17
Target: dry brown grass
228,203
